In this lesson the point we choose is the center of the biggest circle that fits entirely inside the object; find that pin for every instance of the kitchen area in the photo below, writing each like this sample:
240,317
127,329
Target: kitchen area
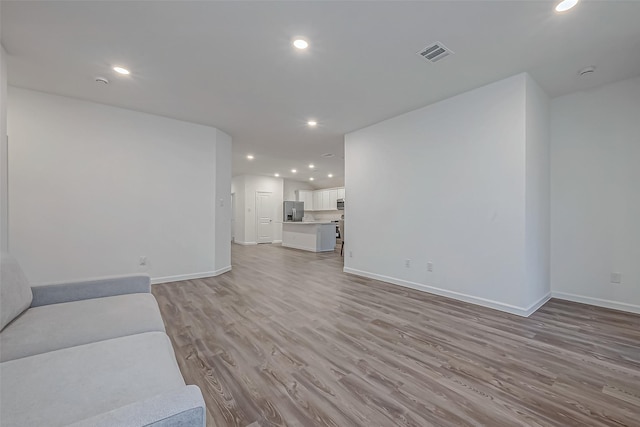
315,220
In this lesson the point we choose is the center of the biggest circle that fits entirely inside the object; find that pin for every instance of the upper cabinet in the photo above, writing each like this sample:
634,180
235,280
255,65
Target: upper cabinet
306,196
321,200
317,200
333,199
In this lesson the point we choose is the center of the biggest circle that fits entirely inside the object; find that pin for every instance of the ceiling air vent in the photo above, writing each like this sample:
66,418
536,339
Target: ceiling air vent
435,52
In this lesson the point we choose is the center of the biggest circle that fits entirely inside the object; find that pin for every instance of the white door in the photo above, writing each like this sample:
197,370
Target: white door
264,215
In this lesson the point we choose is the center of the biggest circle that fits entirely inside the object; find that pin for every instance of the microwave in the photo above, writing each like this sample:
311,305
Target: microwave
340,206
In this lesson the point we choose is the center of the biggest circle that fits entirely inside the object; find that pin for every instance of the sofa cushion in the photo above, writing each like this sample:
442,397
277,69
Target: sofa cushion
65,386
15,292
57,326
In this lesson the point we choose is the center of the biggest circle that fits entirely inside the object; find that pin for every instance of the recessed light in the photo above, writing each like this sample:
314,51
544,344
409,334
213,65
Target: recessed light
276,175
565,5
330,175
250,156
102,80
311,179
312,123
301,43
311,166
121,70
293,171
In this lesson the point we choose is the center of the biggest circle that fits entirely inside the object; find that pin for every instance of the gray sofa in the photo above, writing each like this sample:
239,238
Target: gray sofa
88,353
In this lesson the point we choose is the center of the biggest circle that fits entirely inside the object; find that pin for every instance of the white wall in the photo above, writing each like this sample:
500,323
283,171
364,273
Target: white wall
595,195
237,188
4,166
222,234
92,188
245,187
290,188
446,184
537,211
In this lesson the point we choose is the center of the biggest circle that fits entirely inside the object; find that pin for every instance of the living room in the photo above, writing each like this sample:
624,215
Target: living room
493,210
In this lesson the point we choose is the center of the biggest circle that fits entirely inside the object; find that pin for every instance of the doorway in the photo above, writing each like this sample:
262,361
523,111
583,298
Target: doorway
264,216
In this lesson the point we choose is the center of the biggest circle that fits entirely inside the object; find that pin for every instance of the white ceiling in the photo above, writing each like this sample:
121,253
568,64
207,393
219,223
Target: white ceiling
231,64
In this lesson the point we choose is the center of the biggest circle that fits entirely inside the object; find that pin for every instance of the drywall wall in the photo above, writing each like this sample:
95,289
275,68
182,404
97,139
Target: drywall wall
595,200
237,189
445,184
92,188
245,187
4,166
290,188
537,188
222,234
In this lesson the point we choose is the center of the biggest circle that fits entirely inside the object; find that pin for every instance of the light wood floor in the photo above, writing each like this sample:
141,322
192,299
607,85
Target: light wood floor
286,338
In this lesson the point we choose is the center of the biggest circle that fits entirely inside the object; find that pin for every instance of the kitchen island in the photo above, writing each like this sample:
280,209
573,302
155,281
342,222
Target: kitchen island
314,236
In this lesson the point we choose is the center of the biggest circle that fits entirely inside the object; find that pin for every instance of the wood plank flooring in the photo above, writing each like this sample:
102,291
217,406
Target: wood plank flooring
287,339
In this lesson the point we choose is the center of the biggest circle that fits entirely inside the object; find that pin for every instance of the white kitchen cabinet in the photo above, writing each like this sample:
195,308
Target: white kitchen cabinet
333,199
325,200
317,200
306,196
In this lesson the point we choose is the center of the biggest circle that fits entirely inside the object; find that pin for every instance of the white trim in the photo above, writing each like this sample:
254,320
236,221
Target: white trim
615,305
181,277
277,241
520,311
238,242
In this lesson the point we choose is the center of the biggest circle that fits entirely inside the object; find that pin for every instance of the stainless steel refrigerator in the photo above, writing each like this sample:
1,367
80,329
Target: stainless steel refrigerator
293,211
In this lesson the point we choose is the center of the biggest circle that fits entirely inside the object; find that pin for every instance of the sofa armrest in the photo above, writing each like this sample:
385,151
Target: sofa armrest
184,407
54,293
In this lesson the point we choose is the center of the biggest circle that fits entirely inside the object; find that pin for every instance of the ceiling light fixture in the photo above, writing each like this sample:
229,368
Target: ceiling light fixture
250,156
293,171
565,5
121,70
311,179
311,166
328,155
330,175
312,123
276,174
301,43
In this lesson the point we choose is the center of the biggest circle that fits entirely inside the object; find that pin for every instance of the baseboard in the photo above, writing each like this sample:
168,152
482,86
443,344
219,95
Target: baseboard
277,241
496,305
615,305
245,243
181,277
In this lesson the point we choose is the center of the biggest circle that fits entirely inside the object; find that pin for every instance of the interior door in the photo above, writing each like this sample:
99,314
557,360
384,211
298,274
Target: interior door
264,215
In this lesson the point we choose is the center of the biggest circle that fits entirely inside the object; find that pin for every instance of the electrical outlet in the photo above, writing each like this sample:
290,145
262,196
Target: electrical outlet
143,260
407,263
616,277
429,266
